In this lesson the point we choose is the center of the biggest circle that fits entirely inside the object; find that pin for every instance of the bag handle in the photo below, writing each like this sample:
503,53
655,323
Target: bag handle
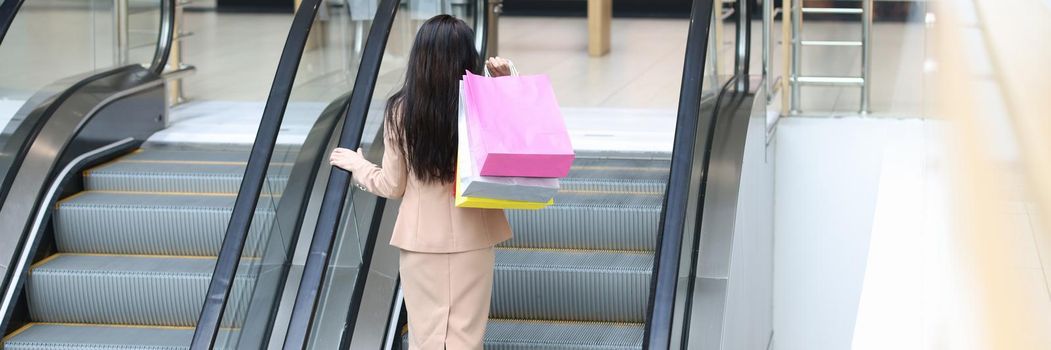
514,71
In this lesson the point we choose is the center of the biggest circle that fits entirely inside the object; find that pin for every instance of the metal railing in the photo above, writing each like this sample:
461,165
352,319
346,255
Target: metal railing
166,36
167,60
177,69
797,79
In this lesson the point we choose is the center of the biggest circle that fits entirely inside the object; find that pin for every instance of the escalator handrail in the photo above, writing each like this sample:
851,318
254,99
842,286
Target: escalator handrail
665,275
336,189
165,37
207,329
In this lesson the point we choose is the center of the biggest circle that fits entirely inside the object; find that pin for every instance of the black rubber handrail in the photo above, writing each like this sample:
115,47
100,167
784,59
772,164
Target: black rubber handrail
665,275
8,10
336,189
208,323
165,37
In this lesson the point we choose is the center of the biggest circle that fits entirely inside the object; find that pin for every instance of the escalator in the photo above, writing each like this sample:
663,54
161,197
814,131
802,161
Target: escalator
115,237
118,235
600,269
128,243
134,252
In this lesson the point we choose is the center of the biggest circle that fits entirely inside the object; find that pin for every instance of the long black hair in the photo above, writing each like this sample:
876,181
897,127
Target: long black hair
423,114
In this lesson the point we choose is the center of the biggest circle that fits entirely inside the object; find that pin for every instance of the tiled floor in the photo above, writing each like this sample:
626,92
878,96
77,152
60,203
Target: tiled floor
236,61
235,54
643,70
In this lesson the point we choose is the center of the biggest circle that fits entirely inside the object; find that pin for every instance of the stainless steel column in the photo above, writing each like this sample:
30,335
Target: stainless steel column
797,23
496,7
866,55
768,21
120,32
744,39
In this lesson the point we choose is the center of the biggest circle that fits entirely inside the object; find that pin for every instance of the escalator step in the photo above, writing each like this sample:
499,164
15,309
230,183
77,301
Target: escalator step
177,176
590,220
119,289
617,175
613,185
503,334
166,154
150,223
43,336
606,286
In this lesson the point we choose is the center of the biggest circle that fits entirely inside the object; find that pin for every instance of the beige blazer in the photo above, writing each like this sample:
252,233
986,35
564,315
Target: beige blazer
428,220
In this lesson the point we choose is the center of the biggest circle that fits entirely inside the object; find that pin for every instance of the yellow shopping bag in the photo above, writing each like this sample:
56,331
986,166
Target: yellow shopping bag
489,203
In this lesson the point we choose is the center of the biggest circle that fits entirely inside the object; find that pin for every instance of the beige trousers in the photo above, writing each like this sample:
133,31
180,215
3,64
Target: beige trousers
447,296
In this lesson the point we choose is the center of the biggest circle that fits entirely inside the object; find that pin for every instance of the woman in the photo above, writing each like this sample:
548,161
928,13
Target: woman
447,259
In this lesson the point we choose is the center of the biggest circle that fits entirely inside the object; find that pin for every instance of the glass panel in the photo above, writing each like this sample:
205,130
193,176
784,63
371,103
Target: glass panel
332,312
143,31
39,58
325,76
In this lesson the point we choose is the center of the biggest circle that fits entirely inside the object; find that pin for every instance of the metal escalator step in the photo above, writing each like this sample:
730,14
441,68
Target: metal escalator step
617,175
503,334
119,289
46,336
589,220
181,155
614,185
177,176
67,336
644,161
150,223
570,285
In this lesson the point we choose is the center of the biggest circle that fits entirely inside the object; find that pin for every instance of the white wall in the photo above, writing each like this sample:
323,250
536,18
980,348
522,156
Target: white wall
826,184
749,320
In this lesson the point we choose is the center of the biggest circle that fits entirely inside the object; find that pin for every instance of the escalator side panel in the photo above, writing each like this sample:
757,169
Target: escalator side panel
98,112
40,240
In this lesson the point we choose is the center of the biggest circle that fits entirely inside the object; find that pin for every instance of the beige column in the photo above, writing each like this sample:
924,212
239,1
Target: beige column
600,14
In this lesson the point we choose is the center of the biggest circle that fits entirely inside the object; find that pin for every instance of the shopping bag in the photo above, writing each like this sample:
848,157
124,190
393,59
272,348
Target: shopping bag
515,127
488,203
530,189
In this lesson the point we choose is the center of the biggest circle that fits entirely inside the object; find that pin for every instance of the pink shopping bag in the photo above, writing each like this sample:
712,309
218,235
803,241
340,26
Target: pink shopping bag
515,127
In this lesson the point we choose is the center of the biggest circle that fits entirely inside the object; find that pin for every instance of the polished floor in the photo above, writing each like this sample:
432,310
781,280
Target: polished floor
643,69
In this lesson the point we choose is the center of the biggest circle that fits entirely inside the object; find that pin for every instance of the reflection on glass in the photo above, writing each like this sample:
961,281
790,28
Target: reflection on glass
53,43
333,305
324,79
143,31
